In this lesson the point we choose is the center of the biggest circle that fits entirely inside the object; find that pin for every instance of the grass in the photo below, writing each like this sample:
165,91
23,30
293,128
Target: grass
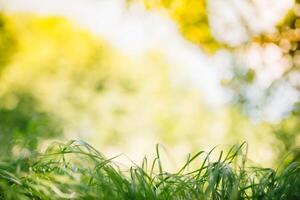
76,170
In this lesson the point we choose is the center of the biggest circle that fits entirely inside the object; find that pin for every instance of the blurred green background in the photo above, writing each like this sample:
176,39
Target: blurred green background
62,79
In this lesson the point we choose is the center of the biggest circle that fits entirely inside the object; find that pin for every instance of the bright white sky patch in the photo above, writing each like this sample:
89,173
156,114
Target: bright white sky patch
269,64
240,19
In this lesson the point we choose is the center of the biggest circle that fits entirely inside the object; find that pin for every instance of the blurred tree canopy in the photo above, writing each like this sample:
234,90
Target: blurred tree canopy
245,82
60,79
86,89
286,38
23,125
193,21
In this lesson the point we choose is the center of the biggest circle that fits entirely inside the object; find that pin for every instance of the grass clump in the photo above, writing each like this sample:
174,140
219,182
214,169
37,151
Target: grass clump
76,170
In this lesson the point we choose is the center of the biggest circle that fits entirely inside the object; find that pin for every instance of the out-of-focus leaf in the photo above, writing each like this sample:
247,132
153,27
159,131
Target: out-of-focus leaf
192,19
7,41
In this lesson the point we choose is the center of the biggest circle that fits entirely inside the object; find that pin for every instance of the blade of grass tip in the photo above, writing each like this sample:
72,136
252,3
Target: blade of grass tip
70,143
229,153
132,175
74,151
190,160
161,173
89,147
206,159
218,176
236,150
142,173
105,162
76,146
152,169
220,156
158,160
145,164
242,168
245,155
101,165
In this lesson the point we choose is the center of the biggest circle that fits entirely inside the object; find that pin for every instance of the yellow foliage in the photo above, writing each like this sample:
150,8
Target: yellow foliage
7,41
191,16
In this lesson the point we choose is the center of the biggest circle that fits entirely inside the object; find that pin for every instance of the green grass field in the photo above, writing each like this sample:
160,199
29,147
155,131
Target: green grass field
76,170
